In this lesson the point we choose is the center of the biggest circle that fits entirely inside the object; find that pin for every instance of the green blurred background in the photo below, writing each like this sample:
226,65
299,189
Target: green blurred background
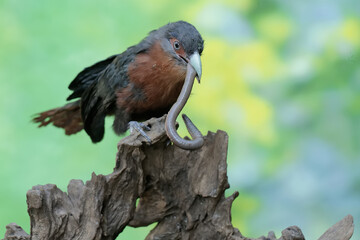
281,77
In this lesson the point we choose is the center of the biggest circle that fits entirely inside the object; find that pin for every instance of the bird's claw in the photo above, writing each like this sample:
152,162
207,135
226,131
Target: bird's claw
139,127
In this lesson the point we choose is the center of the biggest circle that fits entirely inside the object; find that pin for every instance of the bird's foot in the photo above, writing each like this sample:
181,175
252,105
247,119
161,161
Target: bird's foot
140,127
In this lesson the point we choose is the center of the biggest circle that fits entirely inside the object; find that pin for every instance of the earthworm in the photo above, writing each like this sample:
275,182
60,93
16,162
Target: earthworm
170,121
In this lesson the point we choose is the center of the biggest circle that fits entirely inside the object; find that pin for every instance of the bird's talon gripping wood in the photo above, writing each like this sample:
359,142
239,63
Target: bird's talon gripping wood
170,122
140,127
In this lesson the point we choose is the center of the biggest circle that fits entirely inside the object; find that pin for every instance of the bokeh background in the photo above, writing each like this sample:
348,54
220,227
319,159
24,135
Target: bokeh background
281,77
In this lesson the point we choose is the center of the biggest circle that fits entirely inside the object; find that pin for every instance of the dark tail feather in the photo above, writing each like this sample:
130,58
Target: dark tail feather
93,114
95,127
67,117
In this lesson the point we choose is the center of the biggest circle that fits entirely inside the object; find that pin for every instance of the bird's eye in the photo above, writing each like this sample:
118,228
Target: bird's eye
176,45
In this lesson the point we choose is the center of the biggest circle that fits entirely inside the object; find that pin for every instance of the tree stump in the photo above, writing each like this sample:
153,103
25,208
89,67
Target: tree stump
181,190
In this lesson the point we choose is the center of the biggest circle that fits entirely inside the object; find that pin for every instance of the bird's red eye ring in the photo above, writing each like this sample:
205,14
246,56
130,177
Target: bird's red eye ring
176,45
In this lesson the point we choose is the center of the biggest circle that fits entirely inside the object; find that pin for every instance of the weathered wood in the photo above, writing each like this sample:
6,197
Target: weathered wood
342,230
181,190
15,232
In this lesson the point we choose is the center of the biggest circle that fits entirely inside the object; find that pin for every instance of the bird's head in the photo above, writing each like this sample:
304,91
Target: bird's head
183,42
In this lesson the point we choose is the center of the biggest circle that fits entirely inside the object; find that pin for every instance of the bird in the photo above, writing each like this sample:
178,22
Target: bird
142,82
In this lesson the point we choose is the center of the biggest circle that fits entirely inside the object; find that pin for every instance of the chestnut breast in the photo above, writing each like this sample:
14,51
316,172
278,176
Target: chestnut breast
155,82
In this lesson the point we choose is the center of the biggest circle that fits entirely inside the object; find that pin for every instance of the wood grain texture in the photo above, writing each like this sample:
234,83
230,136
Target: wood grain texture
342,230
181,190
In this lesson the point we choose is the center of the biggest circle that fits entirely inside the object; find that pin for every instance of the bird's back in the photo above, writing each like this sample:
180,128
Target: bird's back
87,76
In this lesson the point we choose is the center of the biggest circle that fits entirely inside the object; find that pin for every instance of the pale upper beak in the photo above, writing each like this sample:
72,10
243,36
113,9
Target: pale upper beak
195,62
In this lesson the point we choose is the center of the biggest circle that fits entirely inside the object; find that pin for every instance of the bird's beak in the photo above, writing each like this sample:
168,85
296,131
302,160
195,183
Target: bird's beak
195,62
